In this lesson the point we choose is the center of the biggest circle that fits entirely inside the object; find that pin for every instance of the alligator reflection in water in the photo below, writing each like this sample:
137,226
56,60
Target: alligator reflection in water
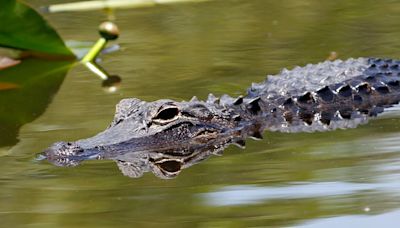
165,136
164,166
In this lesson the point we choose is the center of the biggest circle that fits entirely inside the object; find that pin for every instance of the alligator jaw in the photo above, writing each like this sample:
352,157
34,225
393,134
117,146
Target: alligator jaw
73,153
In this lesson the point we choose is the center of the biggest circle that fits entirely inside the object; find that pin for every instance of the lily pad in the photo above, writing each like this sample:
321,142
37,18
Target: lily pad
21,27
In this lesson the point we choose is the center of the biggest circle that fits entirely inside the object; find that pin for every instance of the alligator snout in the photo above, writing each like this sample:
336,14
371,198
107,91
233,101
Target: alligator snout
64,154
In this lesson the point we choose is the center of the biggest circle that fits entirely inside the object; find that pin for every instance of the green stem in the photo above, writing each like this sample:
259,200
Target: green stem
97,70
106,4
94,51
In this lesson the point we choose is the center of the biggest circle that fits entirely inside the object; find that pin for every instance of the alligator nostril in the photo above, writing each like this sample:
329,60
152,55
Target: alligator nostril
62,154
63,149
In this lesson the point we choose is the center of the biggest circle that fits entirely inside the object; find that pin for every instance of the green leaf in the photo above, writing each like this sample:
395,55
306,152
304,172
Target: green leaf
28,89
21,27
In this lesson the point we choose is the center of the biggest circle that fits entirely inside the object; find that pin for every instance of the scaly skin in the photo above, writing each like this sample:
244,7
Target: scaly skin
165,136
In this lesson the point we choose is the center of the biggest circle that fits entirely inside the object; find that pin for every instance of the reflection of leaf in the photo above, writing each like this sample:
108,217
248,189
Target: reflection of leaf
38,81
8,85
6,62
23,28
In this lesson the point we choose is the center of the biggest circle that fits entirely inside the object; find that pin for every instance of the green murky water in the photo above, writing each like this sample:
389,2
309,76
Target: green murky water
346,178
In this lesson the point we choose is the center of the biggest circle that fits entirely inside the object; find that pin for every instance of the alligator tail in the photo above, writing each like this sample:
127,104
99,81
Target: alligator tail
344,104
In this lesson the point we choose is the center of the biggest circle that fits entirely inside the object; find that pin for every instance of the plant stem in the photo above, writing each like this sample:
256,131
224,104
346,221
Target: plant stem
94,51
107,4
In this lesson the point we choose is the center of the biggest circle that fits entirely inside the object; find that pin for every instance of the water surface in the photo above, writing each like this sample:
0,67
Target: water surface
344,178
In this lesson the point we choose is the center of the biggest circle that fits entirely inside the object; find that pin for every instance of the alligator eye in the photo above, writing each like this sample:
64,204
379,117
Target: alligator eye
166,115
167,168
170,166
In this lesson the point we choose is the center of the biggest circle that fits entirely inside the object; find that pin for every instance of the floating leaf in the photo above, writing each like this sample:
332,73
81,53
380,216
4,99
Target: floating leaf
23,28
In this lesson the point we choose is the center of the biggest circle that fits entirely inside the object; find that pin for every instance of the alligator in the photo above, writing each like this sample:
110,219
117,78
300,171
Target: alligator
166,136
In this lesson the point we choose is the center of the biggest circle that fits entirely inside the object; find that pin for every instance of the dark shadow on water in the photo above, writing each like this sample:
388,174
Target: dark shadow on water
36,81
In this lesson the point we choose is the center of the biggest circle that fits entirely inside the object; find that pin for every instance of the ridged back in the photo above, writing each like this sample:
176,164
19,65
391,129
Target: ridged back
328,95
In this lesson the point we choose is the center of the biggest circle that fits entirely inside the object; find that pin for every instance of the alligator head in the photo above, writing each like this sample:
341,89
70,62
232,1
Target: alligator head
160,132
